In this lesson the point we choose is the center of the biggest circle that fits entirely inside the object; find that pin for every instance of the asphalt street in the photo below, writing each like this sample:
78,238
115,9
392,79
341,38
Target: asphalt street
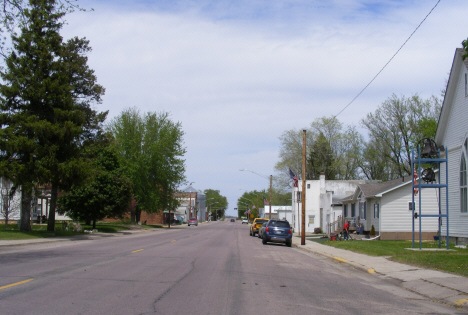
214,268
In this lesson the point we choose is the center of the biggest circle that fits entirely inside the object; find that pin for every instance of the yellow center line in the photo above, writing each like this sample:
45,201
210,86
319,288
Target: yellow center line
17,283
138,250
458,302
173,241
340,259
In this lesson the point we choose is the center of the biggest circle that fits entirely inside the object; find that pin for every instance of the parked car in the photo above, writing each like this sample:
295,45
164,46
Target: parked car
245,221
277,231
233,220
262,228
193,221
256,225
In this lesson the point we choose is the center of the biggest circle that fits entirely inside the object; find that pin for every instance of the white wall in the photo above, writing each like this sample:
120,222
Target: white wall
396,216
455,135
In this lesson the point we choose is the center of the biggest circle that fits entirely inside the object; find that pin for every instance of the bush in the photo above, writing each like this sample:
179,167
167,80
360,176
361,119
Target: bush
372,231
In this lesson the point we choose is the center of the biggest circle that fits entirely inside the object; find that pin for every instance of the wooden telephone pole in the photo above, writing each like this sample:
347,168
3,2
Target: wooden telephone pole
303,186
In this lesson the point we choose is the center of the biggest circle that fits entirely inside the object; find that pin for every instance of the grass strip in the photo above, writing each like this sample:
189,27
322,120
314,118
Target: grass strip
454,261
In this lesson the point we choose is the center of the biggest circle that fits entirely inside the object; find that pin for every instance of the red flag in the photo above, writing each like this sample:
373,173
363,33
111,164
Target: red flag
293,177
415,176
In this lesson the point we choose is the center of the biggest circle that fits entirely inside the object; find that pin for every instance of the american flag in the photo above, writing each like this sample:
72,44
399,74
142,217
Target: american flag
293,177
253,207
265,201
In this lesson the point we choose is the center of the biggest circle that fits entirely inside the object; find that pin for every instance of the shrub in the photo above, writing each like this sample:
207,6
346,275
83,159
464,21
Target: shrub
372,231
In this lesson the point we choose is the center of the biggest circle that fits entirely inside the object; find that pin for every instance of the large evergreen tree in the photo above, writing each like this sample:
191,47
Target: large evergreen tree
46,99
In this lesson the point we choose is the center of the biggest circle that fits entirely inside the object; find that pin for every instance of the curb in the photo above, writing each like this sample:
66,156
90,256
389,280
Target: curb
339,259
460,304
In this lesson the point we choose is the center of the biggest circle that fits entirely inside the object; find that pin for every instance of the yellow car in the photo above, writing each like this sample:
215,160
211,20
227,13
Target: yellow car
256,225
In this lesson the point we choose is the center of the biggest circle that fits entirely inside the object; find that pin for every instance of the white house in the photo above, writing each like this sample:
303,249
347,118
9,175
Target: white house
452,133
387,207
321,204
40,204
9,207
277,212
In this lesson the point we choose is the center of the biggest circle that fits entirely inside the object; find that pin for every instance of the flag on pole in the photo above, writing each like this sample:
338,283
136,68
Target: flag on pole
265,201
293,177
253,207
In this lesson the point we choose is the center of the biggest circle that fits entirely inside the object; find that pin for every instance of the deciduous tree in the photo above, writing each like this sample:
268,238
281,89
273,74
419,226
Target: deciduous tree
150,149
218,202
397,126
107,193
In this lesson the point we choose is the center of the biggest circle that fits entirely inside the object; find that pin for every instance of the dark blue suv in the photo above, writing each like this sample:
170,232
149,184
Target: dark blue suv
277,231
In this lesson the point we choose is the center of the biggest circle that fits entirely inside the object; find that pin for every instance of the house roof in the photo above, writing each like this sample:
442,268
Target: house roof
336,199
190,189
457,65
372,190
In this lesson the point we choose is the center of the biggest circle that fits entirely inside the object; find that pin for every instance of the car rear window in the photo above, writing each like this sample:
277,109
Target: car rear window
260,221
279,223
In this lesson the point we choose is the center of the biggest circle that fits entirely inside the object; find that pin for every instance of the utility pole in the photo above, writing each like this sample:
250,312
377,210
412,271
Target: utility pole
303,186
190,207
271,182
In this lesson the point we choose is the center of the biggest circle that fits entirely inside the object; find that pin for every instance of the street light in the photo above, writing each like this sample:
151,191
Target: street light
206,206
211,205
264,176
190,205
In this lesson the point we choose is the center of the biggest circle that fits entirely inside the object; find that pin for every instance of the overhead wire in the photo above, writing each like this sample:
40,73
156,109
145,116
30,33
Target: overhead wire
388,60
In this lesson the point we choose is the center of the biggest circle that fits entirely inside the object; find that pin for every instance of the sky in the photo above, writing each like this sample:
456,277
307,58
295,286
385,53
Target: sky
237,74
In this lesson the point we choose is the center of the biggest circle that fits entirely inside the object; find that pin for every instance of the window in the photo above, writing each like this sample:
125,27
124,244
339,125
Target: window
311,219
376,210
345,211
308,186
365,210
353,210
299,196
466,84
463,180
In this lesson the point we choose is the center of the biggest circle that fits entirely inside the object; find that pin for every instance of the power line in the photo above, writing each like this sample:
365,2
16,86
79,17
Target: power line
388,61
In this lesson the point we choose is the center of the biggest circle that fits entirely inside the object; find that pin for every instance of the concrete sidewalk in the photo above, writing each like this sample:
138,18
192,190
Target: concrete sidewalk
436,285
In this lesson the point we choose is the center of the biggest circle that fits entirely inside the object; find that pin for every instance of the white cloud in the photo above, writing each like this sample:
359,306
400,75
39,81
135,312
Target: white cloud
237,78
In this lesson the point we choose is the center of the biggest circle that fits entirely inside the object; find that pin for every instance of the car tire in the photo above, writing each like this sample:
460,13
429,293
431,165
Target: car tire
289,244
250,233
264,241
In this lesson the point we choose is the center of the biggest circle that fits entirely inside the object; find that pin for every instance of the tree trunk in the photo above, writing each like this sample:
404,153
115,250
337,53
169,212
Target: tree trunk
53,205
137,215
25,221
88,221
94,224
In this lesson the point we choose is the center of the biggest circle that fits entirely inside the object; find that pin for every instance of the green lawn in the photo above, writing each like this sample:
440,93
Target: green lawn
455,261
40,231
11,232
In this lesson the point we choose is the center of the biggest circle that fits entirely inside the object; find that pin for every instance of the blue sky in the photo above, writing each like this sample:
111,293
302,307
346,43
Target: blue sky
237,74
